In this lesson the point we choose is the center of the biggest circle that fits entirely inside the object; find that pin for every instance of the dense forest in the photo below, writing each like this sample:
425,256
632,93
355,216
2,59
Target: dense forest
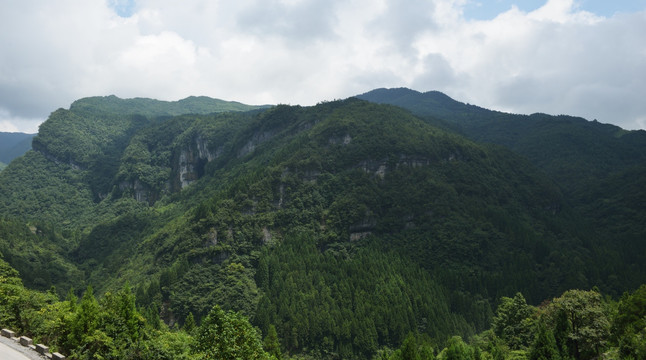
426,228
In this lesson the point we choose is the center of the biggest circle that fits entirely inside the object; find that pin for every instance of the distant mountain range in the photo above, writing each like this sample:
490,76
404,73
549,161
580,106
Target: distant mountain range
13,145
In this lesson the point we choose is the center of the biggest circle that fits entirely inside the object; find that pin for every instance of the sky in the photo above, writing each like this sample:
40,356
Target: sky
578,57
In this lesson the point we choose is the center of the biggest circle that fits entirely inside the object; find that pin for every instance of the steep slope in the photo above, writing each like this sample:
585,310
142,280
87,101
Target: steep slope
39,252
573,151
594,164
77,154
340,183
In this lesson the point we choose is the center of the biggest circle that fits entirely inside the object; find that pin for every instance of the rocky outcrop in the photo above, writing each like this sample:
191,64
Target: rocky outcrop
345,140
257,139
363,228
191,161
140,191
379,168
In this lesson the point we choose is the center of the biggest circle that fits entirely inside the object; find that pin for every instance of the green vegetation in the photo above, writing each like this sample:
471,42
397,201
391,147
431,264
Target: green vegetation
113,327
598,167
39,252
576,325
344,230
155,108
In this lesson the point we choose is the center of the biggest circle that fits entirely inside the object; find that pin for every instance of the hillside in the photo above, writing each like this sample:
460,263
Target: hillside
573,151
13,145
598,167
344,225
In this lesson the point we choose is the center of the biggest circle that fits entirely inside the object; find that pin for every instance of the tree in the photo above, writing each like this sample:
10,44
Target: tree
544,346
588,326
271,343
189,323
227,335
629,325
514,322
86,319
631,312
457,349
409,348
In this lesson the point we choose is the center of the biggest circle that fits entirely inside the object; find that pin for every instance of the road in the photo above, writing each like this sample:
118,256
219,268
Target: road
9,353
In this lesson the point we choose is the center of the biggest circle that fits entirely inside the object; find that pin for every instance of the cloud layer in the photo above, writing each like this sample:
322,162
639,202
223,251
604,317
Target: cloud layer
555,59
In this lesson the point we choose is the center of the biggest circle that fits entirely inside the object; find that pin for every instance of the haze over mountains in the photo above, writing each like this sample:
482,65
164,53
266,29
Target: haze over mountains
344,226
13,145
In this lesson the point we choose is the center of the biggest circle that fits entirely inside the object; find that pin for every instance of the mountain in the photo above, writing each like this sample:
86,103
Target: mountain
13,145
598,167
344,225
573,151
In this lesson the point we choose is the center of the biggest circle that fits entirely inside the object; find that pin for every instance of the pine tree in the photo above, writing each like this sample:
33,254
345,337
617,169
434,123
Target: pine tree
544,346
272,344
189,324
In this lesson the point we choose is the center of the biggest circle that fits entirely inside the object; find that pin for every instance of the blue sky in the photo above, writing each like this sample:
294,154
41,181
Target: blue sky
123,8
489,9
478,9
578,57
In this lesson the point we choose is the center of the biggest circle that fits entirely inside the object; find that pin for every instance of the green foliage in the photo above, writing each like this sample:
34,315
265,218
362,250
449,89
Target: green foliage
544,345
155,108
349,300
413,349
629,325
113,328
189,324
456,349
227,335
514,322
271,344
588,326
39,252
600,168
346,225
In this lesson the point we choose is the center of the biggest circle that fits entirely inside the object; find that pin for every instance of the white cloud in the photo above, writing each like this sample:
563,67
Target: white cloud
9,123
556,59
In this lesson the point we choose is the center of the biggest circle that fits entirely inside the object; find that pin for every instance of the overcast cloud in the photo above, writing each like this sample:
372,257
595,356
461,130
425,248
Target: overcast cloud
556,58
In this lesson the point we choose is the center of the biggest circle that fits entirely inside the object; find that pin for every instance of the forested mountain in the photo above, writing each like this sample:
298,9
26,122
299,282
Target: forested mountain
339,228
575,152
13,145
599,167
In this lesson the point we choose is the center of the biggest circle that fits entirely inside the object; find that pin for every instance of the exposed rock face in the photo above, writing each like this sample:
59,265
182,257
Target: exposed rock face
141,192
51,157
192,160
340,140
257,139
362,228
266,235
379,168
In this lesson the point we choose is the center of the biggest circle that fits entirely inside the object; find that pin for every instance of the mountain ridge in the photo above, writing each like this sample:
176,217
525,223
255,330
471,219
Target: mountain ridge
264,211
